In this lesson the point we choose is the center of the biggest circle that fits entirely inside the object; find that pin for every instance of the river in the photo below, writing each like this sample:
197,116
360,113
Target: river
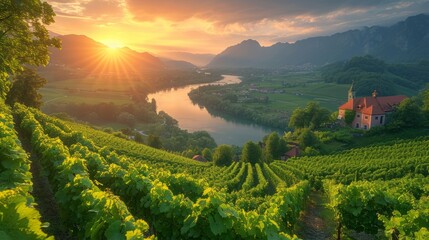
191,117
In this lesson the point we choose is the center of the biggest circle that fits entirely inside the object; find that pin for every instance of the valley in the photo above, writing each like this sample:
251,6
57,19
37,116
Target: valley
119,121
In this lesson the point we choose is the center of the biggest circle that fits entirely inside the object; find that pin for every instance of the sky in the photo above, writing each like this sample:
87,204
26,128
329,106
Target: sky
209,26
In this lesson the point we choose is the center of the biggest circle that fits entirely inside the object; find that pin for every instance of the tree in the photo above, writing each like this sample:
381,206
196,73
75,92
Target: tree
408,114
316,115
127,118
271,150
138,137
153,104
312,116
207,154
298,119
425,100
24,40
223,155
349,116
24,89
307,139
283,148
154,141
251,153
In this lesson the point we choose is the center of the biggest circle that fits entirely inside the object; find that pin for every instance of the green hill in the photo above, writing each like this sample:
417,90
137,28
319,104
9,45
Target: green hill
370,73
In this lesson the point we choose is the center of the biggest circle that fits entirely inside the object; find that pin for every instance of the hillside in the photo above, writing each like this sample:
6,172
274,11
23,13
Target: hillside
177,64
82,52
115,187
369,73
198,59
402,42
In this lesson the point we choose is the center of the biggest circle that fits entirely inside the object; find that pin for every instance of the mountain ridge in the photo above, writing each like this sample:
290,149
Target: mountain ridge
407,40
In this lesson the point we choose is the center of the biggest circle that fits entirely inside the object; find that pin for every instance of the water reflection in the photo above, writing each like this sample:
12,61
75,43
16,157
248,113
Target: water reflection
193,117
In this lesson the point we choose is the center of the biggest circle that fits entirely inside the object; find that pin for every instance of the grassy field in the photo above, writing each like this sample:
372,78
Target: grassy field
86,90
328,95
298,90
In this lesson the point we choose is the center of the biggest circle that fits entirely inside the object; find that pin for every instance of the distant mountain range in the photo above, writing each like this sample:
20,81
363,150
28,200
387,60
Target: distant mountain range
82,52
198,59
177,64
404,41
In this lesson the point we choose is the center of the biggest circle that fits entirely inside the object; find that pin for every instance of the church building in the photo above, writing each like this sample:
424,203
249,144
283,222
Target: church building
368,111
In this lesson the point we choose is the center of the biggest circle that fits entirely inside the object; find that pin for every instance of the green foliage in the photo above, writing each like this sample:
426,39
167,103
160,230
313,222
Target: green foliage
272,147
184,199
425,99
311,151
18,217
83,204
399,207
223,155
312,116
154,141
251,153
307,138
24,89
413,224
138,138
127,119
207,154
24,39
408,114
283,148
370,74
349,116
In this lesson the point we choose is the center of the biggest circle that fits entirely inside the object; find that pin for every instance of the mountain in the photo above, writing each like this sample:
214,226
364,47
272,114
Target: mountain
82,52
402,42
197,59
177,64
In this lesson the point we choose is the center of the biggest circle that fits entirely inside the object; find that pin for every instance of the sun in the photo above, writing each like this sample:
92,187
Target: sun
113,44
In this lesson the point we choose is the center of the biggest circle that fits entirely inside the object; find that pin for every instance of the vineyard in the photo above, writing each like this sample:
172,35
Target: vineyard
106,187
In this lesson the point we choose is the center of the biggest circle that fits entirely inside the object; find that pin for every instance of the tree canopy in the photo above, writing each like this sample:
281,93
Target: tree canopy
275,146
24,39
207,154
408,114
251,153
370,74
307,138
223,155
24,89
154,141
312,116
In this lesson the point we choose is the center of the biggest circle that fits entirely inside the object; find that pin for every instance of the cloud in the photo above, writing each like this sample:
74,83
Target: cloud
95,9
241,11
104,8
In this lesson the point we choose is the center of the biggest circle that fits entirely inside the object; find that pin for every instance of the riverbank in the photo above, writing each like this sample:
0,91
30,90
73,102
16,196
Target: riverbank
192,117
269,101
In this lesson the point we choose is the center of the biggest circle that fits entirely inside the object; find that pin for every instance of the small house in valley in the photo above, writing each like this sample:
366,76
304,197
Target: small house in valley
367,112
293,152
199,158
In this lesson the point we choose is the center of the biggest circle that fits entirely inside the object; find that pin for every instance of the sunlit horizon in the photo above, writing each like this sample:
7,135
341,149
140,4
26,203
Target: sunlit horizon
113,44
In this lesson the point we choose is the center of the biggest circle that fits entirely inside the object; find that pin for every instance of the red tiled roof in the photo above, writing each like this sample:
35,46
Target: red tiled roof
199,158
293,152
373,105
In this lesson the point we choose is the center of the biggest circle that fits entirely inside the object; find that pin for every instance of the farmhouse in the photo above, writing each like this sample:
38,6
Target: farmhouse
368,112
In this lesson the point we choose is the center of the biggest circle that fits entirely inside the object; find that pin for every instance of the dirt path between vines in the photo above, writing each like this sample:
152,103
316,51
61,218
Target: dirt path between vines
43,195
316,223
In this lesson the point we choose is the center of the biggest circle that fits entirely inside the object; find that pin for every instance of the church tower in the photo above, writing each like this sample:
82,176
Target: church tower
352,93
